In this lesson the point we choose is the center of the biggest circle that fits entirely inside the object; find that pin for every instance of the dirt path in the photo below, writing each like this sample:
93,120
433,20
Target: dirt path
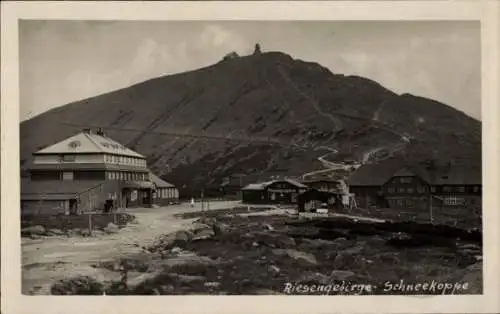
50,259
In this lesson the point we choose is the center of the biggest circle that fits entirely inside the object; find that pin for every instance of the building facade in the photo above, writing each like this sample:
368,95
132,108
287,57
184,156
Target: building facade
87,172
417,187
273,192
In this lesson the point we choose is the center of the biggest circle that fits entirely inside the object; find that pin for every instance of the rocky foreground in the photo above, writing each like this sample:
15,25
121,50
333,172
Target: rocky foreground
268,255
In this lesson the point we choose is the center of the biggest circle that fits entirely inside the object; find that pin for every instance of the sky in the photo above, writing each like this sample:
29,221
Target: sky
65,61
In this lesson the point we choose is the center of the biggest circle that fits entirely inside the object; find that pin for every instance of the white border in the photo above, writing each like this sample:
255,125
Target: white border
486,11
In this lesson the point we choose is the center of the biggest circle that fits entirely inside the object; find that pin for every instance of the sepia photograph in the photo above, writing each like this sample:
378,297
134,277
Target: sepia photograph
250,157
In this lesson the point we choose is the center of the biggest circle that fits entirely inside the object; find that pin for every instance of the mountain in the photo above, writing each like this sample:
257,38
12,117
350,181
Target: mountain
261,115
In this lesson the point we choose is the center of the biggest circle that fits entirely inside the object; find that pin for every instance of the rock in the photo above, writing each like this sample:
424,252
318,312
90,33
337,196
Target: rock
274,269
97,233
315,278
341,274
343,260
187,259
111,228
55,232
357,249
203,234
176,250
85,233
273,239
221,228
269,227
35,236
297,255
135,281
82,285
187,278
179,239
197,227
212,284
37,230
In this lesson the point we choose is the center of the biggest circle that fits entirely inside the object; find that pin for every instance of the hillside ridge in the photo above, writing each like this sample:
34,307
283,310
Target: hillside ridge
261,115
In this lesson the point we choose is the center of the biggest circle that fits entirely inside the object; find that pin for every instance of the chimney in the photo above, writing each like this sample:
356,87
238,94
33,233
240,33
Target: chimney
87,130
100,132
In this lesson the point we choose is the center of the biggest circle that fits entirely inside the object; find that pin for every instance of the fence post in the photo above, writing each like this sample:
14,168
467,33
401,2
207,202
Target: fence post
90,223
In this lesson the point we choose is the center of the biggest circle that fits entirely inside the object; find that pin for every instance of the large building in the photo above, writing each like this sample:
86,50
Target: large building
90,171
399,186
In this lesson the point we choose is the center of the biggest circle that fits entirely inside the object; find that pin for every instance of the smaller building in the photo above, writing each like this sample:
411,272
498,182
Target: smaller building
273,192
164,193
396,185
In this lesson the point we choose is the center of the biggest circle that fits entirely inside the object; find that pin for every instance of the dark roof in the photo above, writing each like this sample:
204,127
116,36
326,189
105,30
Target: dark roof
55,189
378,174
264,185
375,174
458,175
159,182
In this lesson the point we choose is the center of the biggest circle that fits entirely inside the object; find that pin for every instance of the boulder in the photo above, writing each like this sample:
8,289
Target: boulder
203,234
97,233
299,256
35,236
314,278
85,233
54,231
37,230
82,285
341,274
111,228
273,239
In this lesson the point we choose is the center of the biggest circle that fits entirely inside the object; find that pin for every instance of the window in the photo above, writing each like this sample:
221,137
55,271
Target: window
68,175
410,203
421,189
433,189
405,180
461,189
400,202
390,190
447,189
401,190
476,189
410,190
68,158
451,200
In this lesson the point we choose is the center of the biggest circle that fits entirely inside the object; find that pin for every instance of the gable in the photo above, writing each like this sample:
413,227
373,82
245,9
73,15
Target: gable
85,143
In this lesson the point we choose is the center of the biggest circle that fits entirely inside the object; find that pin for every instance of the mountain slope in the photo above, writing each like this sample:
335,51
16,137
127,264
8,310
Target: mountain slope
261,115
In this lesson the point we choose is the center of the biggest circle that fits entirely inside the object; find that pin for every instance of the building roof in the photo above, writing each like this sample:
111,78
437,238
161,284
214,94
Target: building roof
134,184
375,174
264,185
159,182
55,189
378,174
88,142
458,175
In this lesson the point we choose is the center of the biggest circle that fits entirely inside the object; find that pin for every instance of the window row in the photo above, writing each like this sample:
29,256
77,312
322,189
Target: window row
128,176
419,189
460,189
167,193
124,160
402,203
